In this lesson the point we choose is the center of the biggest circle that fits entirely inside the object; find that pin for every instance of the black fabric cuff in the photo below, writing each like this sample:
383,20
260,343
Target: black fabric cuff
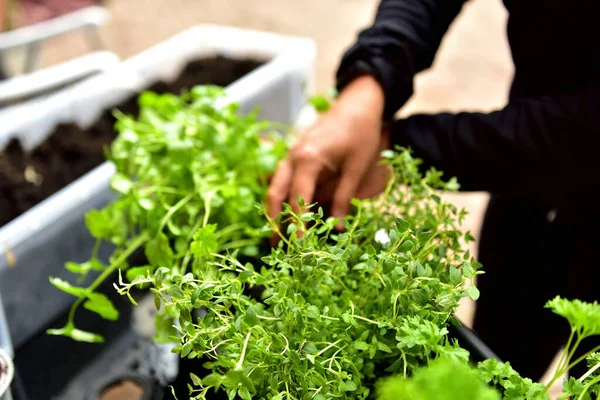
383,64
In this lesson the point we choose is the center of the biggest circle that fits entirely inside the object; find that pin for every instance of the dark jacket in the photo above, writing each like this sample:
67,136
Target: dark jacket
545,142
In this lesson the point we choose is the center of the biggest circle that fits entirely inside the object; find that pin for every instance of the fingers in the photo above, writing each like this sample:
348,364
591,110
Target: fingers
304,181
279,188
347,188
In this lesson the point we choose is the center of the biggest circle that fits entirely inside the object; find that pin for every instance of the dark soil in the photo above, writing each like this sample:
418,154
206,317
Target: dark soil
69,152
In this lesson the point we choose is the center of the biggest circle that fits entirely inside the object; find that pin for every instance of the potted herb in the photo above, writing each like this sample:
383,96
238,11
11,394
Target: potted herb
324,314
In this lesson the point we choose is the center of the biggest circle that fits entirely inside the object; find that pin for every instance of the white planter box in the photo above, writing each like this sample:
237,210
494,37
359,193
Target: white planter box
44,238
6,351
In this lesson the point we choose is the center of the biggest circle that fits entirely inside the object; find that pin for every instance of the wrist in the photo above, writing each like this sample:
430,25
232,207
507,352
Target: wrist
363,96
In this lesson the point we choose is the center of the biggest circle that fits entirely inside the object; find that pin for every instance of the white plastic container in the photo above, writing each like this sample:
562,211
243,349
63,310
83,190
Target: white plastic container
6,355
53,232
39,83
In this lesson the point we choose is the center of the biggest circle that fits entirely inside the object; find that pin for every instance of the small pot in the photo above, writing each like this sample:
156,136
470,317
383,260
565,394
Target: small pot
7,371
127,387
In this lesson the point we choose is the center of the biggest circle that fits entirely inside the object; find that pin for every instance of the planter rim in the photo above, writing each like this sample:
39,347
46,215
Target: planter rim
7,371
284,52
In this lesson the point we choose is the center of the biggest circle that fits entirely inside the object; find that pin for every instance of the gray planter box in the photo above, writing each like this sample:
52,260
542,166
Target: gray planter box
52,233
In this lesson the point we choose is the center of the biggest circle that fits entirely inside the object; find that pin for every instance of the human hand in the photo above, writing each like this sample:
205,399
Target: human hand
337,158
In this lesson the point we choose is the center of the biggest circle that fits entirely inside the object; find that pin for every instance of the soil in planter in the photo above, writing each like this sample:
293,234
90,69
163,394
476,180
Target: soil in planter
69,152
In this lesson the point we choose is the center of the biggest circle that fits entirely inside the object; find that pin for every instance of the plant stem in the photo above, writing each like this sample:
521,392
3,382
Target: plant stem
591,371
240,243
96,248
229,229
566,351
561,371
572,352
588,386
583,357
135,244
366,319
174,209
238,366
207,200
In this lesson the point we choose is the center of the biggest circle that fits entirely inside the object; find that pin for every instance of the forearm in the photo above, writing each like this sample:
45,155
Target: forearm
401,42
363,95
537,145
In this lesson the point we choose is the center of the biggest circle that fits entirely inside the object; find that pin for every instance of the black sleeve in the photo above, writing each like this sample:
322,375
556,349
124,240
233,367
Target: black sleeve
402,41
544,145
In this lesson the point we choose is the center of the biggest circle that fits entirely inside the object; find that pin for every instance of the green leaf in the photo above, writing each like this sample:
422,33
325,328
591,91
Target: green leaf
310,348
76,334
406,246
85,267
175,291
195,379
313,312
320,103
121,183
383,347
97,223
389,154
164,329
350,386
424,237
204,243
101,305
419,296
291,228
240,378
244,394
469,237
468,270
68,288
455,276
159,252
444,379
173,228
361,345
402,225
581,315
251,318
107,224
195,295
473,293
213,380
146,203
134,272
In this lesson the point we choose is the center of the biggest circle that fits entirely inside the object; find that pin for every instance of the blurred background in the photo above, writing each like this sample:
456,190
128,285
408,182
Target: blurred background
472,71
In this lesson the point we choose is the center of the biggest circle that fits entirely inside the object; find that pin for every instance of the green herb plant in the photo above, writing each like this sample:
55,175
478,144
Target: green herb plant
335,310
444,379
435,382
186,163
